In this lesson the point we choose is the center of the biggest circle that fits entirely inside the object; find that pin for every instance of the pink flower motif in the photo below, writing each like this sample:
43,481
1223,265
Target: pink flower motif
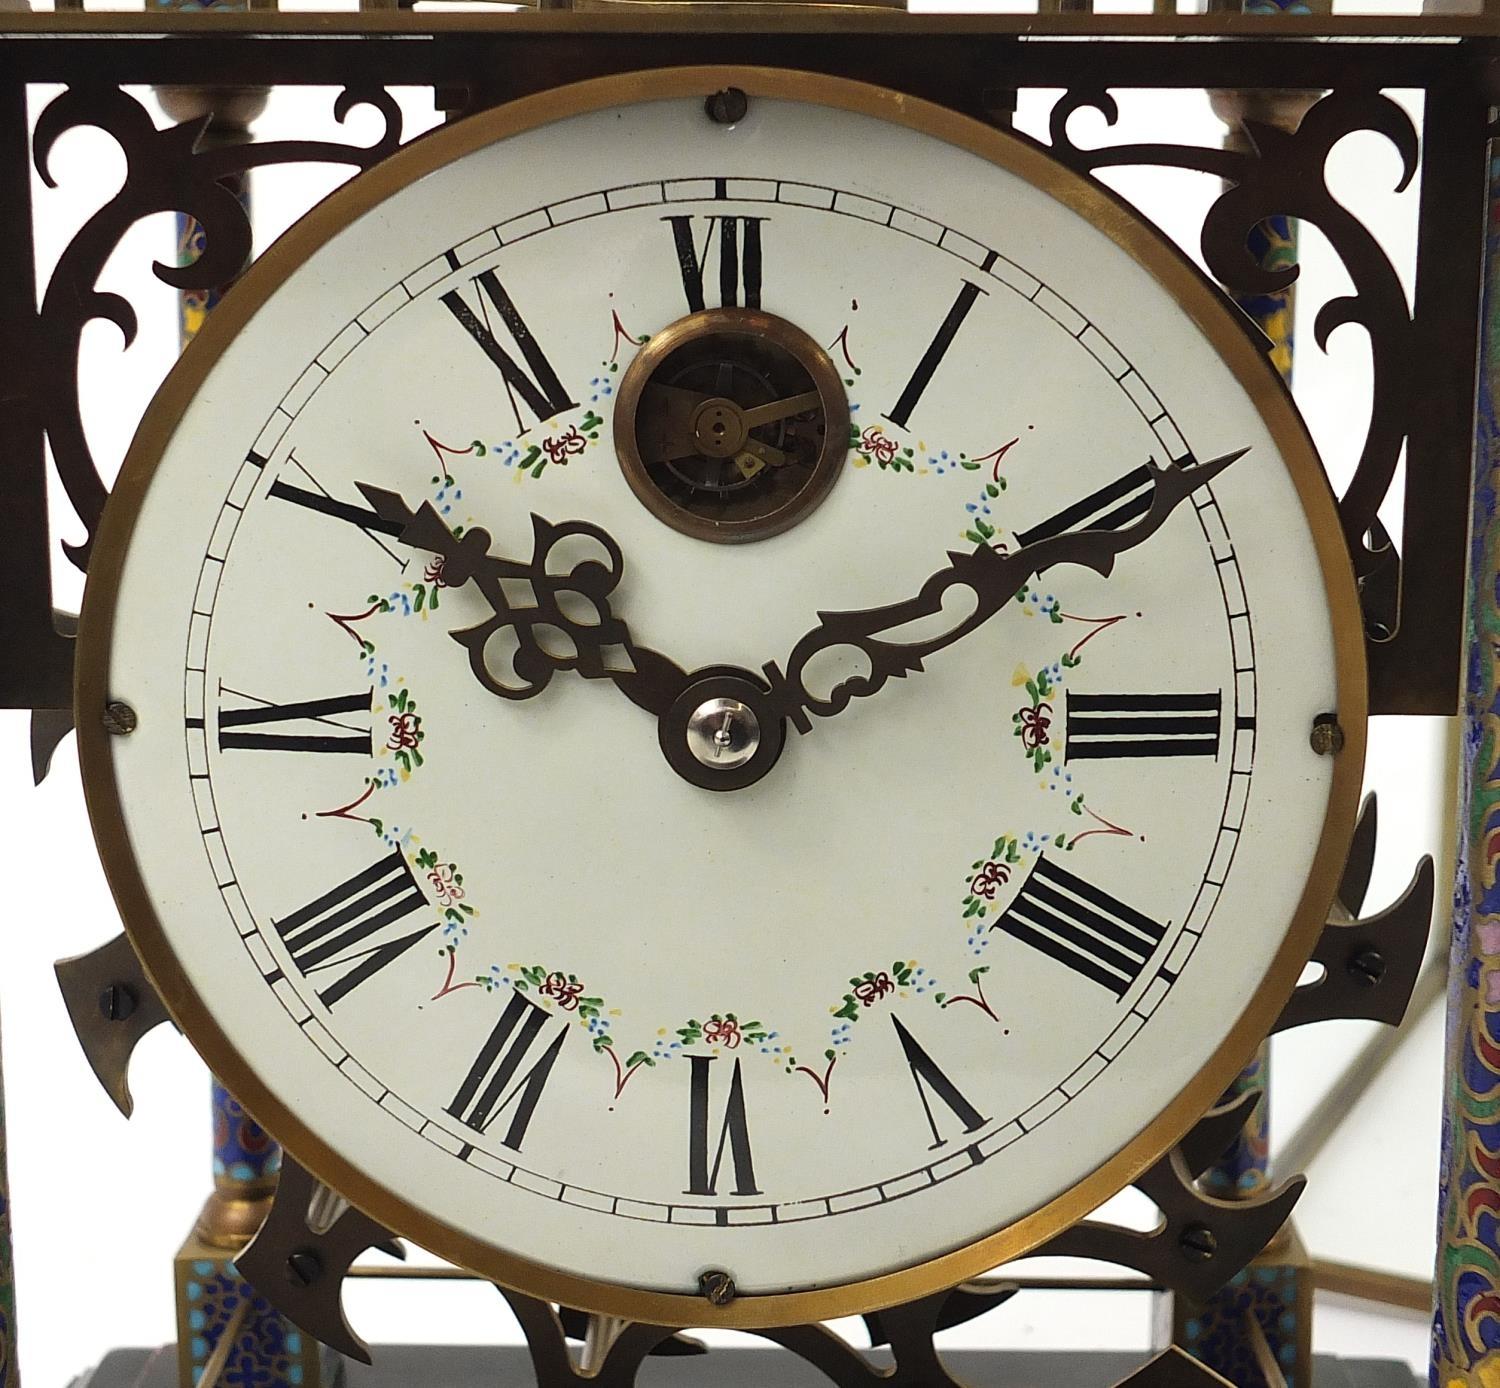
406,731
559,449
722,1032
562,990
443,884
989,879
433,573
1034,725
873,989
880,447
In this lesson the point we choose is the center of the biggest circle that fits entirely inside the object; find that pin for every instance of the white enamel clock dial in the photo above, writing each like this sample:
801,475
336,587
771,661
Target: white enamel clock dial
969,955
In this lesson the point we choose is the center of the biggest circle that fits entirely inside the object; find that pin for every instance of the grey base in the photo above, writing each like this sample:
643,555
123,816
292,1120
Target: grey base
401,1366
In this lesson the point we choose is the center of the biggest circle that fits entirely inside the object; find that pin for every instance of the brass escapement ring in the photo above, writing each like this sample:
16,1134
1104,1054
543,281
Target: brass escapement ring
731,425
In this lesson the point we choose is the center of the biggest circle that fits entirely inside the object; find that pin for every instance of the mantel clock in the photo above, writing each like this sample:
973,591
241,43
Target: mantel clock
727,693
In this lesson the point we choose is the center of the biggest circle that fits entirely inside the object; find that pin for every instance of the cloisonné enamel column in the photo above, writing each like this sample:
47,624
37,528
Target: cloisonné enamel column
1466,1325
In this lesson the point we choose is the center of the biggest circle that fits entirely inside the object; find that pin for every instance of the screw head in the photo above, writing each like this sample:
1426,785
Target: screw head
1198,1243
117,1002
723,733
1327,737
717,1287
727,107
119,718
303,1267
1367,967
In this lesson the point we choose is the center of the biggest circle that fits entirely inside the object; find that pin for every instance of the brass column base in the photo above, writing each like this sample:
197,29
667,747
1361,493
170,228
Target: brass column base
222,1321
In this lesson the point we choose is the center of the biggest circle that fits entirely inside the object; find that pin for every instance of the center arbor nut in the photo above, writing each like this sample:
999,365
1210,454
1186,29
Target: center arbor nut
722,732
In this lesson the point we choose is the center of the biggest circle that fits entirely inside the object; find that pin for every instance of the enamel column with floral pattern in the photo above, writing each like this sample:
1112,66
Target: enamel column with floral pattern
1466,1328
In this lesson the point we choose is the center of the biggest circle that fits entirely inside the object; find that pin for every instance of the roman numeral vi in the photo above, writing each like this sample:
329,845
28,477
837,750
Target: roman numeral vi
734,1133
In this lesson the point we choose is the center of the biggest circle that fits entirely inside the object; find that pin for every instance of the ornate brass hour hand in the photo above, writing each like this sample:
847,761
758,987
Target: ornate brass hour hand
551,612
991,579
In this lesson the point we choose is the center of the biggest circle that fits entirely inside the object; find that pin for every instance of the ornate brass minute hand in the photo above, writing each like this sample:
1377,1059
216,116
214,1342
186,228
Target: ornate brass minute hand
993,579
557,620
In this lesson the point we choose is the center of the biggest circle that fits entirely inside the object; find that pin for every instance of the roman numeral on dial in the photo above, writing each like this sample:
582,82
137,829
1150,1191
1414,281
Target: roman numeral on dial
1101,726
543,393
1112,507
937,349
314,497
310,725
739,243
1082,926
496,1081
932,1084
346,933
733,1135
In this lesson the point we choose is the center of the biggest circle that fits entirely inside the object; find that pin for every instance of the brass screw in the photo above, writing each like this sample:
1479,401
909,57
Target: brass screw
717,1287
1327,737
117,1002
727,107
1198,1243
119,718
303,1267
